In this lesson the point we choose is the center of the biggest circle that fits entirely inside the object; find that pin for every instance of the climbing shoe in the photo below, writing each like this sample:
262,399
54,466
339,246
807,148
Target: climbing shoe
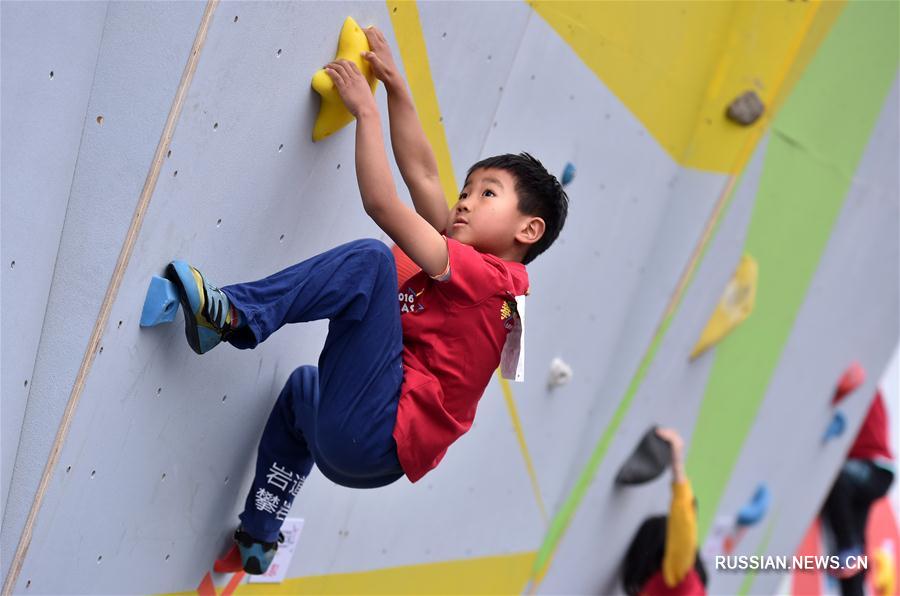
256,556
209,317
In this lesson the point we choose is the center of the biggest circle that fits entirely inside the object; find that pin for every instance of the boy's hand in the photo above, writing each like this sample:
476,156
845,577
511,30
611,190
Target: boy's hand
352,86
380,58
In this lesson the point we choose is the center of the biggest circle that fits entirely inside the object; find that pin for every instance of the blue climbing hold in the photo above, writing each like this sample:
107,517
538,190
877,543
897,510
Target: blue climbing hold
835,427
568,174
161,303
756,508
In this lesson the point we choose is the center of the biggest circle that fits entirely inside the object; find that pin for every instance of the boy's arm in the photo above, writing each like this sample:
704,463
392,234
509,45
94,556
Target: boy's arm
413,234
411,149
414,155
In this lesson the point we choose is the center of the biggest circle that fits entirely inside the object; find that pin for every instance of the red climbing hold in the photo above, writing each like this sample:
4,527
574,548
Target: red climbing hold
230,563
852,378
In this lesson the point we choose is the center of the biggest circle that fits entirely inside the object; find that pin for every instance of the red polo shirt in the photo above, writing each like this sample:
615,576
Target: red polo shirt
872,441
453,333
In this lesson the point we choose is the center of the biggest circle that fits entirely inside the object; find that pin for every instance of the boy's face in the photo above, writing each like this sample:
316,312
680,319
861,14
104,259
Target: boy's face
487,215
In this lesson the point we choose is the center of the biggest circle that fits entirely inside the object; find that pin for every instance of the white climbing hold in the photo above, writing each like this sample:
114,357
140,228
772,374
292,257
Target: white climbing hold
560,373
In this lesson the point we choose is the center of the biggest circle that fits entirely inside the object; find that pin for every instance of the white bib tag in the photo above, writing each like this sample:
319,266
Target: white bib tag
512,358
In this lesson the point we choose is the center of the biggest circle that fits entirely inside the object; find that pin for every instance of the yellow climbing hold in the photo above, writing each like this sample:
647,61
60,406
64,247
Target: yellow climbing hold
734,306
885,580
333,114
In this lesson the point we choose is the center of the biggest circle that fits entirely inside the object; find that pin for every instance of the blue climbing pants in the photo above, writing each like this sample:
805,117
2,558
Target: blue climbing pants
341,414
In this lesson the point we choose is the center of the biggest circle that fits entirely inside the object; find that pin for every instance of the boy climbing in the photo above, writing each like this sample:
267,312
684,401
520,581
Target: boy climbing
396,383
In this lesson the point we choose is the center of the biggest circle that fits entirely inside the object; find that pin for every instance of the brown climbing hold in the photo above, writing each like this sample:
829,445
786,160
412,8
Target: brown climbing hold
746,108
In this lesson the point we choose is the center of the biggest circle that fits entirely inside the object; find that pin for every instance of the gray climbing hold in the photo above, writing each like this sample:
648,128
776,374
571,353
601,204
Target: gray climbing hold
746,108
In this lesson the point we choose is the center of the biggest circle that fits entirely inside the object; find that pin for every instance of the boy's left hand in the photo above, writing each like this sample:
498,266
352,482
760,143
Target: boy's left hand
352,86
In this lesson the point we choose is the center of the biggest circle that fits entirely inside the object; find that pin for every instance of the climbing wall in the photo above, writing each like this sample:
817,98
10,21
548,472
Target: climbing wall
151,131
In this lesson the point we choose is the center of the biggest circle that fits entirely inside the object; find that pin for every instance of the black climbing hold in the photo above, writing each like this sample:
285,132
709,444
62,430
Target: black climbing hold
648,460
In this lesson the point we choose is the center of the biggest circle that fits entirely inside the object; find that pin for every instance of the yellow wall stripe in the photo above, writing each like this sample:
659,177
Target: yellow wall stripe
677,65
414,54
523,446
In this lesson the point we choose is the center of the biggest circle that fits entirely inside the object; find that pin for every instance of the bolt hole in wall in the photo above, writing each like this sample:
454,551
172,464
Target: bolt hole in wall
158,390
12,265
99,559
215,126
27,584
163,476
278,53
167,557
68,469
51,75
339,166
175,174
280,147
120,325
218,222
26,383
280,239
169,154
93,473
100,120
236,19
224,397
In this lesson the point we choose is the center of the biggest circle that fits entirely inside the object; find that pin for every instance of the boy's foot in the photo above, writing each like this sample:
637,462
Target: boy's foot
208,315
256,556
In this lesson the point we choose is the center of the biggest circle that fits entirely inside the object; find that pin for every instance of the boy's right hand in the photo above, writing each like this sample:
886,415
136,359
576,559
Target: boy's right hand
380,58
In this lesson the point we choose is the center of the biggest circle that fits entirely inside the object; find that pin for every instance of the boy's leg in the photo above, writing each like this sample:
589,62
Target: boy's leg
354,392
360,374
335,285
284,458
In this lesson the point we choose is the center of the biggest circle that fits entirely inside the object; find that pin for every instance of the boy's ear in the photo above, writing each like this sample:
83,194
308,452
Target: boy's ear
531,231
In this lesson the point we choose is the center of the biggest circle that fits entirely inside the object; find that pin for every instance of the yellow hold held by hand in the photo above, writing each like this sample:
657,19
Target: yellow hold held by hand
734,306
333,114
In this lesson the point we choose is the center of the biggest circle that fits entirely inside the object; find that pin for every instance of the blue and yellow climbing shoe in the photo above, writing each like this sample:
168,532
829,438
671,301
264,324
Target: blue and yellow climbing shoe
256,556
208,314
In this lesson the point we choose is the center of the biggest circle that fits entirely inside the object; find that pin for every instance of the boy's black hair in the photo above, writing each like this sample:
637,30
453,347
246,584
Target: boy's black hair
540,194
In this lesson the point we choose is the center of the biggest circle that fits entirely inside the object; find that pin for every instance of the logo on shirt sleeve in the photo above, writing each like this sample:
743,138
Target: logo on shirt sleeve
408,300
507,310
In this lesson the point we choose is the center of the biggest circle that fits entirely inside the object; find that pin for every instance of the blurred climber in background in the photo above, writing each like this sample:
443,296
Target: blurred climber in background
662,559
864,478
401,373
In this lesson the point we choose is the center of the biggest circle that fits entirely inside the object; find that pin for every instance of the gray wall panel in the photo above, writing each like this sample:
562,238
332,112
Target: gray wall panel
133,91
42,125
851,312
670,395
